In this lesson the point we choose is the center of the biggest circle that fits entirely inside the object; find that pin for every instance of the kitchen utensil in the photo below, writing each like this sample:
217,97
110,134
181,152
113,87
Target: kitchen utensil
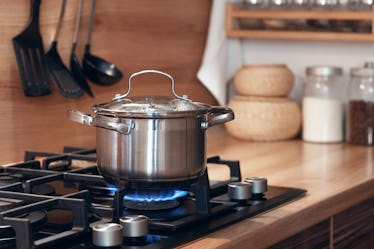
28,47
264,118
97,69
151,139
59,73
75,66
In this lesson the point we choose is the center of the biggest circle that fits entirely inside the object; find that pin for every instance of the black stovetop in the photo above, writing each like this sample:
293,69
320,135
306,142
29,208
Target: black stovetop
48,201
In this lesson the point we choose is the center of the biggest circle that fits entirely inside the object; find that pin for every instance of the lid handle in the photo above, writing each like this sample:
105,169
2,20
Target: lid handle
118,96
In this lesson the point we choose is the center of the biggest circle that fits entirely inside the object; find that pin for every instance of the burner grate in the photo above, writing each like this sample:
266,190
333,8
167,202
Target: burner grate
6,203
36,193
19,218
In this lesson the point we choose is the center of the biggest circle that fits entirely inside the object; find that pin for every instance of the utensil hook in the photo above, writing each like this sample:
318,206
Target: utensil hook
118,96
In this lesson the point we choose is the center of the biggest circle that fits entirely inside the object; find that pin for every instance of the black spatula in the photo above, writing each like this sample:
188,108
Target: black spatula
28,47
64,81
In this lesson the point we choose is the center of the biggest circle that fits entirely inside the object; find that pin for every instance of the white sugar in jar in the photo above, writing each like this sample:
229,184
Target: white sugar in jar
323,120
322,105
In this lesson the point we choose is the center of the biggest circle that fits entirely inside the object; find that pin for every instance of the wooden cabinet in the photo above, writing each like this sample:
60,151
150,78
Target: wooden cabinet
352,228
238,12
317,236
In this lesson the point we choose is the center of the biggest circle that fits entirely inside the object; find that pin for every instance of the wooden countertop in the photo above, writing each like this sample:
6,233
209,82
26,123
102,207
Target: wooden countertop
336,177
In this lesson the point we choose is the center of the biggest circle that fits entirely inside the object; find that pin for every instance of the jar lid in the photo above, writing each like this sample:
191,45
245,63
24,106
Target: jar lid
362,72
324,70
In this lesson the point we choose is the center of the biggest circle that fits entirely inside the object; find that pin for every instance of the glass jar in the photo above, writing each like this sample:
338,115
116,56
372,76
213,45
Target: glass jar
276,24
253,23
363,26
369,64
323,108
300,23
360,107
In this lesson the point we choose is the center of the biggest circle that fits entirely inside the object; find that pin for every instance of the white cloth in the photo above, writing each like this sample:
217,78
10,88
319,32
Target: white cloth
222,55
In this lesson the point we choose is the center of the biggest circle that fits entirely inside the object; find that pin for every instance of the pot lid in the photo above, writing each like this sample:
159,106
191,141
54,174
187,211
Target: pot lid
150,106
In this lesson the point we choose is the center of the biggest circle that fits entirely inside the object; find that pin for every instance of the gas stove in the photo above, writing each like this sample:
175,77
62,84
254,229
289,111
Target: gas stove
61,200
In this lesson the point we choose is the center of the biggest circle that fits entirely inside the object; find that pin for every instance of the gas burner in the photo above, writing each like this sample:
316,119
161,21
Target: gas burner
151,205
141,199
7,178
153,199
185,207
155,195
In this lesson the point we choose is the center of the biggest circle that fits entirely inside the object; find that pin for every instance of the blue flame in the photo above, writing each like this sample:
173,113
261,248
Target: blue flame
154,238
148,195
155,195
112,189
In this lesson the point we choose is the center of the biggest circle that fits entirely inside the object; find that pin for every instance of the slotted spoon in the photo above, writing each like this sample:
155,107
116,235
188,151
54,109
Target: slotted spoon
28,47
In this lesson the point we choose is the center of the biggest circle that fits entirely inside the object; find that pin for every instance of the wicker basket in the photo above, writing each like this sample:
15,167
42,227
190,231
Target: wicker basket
264,80
264,119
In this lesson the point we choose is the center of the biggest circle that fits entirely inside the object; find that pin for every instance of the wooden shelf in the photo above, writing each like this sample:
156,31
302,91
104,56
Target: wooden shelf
238,11
300,35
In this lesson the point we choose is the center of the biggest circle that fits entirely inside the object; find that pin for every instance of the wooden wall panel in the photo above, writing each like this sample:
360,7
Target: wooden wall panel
167,35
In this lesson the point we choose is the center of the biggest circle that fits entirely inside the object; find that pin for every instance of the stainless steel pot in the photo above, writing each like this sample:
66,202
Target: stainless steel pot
151,139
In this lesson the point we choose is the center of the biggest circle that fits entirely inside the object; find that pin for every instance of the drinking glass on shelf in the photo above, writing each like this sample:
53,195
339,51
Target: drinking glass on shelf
365,5
256,4
363,26
276,24
278,4
298,5
323,4
342,25
251,23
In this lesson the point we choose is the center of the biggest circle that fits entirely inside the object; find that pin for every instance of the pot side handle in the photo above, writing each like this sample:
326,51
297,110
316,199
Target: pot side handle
86,119
80,117
218,115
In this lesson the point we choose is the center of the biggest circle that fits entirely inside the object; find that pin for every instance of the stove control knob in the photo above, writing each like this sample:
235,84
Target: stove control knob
107,234
239,191
134,226
259,184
